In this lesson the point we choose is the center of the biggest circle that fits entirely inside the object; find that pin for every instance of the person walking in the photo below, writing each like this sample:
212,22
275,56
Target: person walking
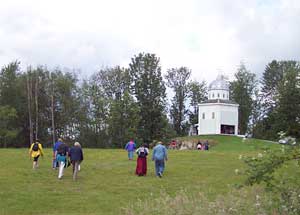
55,147
159,156
141,162
35,151
130,147
61,158
76,157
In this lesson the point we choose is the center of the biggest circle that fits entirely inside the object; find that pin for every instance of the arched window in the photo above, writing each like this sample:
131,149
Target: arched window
218,95
223,95
213,95
203,115
213,115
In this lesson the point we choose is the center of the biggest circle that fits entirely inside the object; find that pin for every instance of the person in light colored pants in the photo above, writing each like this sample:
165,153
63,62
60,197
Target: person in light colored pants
76,157
61,159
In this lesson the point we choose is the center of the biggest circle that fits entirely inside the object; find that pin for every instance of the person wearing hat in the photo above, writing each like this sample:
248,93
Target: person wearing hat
35,151
76,157
159,156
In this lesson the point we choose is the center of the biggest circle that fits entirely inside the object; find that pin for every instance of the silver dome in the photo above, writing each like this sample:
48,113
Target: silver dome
219,84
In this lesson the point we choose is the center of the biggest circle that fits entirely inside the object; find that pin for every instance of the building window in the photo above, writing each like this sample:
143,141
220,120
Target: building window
203,115
213,115
218,95
223,95
213,95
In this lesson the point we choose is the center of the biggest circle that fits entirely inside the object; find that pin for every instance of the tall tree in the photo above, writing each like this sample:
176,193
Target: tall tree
11,96
289,99
36,95
7,128
197,94
123,120
242,90
177,79
149,89
266,102
271,78
29,101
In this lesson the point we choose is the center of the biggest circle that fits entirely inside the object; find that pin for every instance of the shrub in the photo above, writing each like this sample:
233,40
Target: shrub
266,169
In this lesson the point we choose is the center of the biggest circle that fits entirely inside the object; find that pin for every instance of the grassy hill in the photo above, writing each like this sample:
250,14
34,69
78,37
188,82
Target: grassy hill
107,184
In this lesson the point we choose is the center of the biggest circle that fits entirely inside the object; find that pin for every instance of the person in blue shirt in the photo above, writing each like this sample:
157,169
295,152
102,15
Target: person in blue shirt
159,156
55,147
130,147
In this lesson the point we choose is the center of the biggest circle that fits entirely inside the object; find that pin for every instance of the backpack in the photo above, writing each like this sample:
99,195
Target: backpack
62,149
35,147
142,153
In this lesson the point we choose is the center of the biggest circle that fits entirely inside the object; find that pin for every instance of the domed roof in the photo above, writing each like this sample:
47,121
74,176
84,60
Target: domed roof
219,84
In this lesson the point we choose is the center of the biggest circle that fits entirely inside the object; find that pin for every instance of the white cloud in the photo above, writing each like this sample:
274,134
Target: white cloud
206,36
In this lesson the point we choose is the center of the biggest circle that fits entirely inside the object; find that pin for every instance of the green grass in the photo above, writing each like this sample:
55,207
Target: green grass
107,184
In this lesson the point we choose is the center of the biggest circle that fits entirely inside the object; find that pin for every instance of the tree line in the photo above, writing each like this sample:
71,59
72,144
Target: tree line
115,104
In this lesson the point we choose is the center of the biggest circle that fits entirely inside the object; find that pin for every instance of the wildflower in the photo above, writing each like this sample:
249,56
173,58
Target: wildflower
240,157
260,155
236,171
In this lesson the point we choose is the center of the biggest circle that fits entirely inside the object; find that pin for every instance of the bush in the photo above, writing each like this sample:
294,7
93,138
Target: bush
267,169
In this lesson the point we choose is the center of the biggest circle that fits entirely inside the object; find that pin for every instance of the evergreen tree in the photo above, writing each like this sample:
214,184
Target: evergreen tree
272,76
289,99
242,90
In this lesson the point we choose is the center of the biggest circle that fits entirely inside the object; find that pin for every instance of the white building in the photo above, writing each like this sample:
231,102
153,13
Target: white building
218,115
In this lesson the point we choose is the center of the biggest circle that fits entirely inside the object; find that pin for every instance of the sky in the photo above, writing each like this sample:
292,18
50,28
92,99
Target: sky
207,36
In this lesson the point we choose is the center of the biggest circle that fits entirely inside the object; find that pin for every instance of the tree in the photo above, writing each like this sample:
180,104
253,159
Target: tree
12,96
7,128
242,90
123,120
289,99
279,100
149,90
267,101
272,76
177,79
197,94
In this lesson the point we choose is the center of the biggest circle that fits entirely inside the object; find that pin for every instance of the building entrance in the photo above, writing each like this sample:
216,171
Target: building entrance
227,129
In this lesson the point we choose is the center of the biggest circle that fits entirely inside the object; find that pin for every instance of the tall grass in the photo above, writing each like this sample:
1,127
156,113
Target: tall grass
239,202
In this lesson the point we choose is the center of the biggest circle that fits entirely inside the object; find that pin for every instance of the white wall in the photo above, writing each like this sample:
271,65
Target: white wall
220,92
226,114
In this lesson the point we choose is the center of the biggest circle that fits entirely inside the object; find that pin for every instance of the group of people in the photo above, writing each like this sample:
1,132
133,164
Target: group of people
159,156
202,146
63,156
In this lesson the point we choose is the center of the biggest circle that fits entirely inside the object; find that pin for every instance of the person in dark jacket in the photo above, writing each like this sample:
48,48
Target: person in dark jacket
76,157
61,158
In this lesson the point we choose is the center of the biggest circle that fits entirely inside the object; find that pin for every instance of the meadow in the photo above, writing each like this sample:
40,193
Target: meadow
107,184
